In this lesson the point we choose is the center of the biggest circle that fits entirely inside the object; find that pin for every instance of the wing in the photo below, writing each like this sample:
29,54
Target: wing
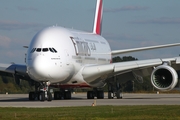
97,71
115,52
14,70
157,68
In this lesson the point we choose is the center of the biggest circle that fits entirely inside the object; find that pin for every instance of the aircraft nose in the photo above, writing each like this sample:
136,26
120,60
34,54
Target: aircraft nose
40,67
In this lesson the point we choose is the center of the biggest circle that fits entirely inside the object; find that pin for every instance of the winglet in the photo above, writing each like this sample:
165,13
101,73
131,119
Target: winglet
98,17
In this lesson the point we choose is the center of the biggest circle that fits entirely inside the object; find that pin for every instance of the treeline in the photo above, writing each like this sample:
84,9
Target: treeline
123,59
8,85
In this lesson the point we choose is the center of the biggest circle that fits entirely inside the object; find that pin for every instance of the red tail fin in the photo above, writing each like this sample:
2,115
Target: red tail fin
98,17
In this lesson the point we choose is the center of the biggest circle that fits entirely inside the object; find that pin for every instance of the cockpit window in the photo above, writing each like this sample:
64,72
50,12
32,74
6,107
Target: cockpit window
53,50
38,49
45,50
33,50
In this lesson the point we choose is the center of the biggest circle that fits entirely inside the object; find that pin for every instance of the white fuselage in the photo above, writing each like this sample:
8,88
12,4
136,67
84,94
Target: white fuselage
59,55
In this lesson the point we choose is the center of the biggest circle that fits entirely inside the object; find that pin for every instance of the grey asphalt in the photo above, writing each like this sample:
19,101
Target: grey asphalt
79,99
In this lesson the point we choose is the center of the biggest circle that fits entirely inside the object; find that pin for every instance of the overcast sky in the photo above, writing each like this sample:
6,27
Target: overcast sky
126,24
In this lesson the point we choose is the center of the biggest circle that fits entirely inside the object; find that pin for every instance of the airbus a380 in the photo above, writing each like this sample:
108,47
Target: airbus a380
68,58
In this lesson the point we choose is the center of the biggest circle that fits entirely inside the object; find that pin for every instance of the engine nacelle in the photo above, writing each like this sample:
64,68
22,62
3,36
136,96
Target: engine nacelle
164,78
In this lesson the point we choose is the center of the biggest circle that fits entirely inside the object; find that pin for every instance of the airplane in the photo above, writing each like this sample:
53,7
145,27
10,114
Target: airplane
67,58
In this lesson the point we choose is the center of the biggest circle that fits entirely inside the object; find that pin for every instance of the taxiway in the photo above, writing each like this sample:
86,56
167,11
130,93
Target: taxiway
79,99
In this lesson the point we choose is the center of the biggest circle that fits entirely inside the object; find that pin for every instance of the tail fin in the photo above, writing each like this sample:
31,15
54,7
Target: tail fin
98,17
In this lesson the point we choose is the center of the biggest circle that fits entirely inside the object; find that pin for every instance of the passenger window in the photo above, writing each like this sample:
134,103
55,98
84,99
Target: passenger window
38,49
45,49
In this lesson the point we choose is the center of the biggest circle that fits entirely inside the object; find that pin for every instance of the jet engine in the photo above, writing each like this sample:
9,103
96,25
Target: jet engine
164,78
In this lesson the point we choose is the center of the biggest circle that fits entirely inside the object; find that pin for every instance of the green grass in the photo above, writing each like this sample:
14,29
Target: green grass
164,112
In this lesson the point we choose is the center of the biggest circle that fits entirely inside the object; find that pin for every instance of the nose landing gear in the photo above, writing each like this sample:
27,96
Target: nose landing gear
41,93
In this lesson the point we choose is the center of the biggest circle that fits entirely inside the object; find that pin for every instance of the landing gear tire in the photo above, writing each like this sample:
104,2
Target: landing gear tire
67,95
32,96
49,96
38,94
110,95
119,94
57,95
90,95
100,94
42,96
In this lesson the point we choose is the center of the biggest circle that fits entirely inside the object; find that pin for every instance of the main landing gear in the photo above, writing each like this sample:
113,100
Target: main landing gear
62,94
41,92
112,93
114,89
95,93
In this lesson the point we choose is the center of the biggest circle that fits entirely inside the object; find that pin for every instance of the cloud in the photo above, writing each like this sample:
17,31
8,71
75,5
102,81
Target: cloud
162,20
26,8
4,41
126,8
15,25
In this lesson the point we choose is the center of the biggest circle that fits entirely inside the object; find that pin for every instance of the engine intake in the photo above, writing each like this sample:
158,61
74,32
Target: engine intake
164,78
